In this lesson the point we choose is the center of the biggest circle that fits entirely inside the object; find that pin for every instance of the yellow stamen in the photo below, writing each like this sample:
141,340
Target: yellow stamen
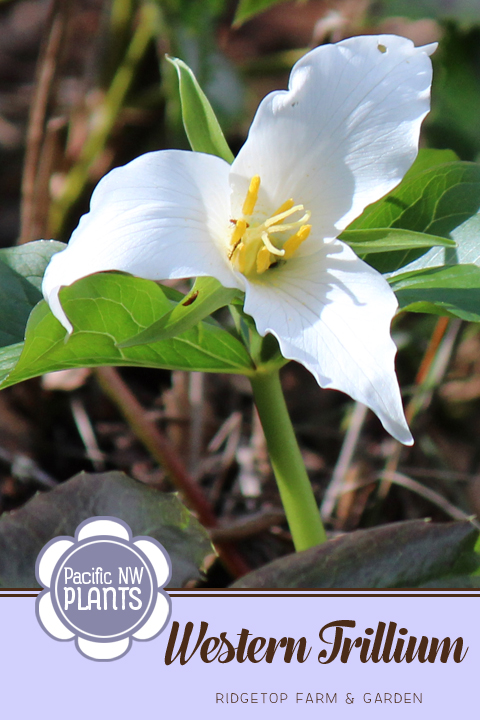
263,260
281,216
240,227
256,241
252,196
241,257
285,227
271,248
294,241
285,206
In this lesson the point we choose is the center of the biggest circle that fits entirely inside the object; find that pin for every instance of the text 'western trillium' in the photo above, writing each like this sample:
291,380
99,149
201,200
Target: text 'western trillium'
342,136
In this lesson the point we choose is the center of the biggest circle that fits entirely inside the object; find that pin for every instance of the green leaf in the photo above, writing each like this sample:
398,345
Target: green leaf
21,273
466,10
203,130
108,308
445,201
382,240
436,201
429,158
206,296
407,554
467,251
147,511
30,260
453,290
9,357
247,9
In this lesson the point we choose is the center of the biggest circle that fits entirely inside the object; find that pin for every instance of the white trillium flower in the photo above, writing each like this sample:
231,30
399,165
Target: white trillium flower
342,136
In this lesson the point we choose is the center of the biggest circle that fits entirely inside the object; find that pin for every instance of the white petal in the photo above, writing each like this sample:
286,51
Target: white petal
103,651
49,558
157,558
103,526
331,312
50,620
164,215
345,132
157,620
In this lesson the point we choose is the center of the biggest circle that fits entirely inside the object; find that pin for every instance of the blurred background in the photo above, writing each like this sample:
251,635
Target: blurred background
84,87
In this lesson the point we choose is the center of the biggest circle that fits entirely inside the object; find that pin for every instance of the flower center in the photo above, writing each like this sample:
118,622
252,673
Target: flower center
258,244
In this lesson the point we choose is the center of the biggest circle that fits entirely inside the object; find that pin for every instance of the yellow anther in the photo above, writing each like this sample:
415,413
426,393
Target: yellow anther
252,196
285,206
241,257
270,246
240,227
263,260
254,237
294,241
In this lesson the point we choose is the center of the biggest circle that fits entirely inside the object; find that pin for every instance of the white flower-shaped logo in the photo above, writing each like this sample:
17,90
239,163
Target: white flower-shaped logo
103,588
342,136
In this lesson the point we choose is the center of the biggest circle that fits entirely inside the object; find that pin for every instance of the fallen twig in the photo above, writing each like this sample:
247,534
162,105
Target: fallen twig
163,452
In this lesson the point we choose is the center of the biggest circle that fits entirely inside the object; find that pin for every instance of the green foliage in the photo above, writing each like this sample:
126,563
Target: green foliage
407,554
21,272
453,290
58,512
29,261
9,357
435,198
466,235
206,296
383,240
247,9
467,250
466,10
189,13
109,308
203,130
436,201
427,159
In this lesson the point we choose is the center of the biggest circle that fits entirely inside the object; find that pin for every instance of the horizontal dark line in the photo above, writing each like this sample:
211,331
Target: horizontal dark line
319,594
326,590
274,589
7,595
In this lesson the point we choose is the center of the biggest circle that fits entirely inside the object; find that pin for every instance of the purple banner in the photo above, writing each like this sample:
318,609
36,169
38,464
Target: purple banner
266,654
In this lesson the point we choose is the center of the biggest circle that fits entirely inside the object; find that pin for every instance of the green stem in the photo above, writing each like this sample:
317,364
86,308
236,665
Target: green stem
293,482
